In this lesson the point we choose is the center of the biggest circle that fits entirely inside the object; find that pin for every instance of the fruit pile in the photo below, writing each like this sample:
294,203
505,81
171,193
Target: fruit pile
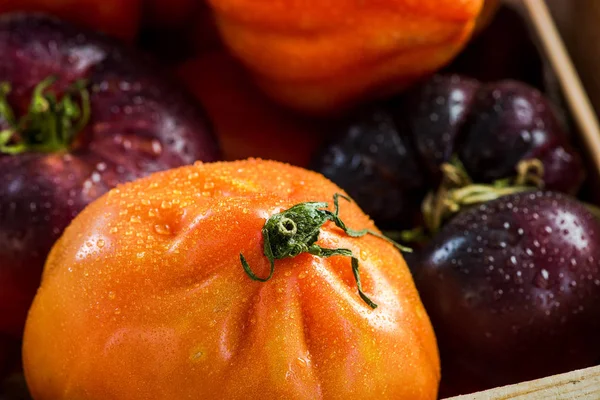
148,252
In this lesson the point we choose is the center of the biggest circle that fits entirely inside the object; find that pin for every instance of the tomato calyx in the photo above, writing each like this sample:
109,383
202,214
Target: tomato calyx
296,230
50,125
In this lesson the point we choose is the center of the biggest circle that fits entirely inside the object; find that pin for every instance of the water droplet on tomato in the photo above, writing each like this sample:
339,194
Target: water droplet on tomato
303,362
364,255
162,229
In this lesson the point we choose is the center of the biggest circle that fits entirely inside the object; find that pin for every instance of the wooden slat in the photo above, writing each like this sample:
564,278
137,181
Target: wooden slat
579,103
580,385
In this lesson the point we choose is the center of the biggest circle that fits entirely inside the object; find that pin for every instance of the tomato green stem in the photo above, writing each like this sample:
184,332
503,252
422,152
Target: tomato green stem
296,231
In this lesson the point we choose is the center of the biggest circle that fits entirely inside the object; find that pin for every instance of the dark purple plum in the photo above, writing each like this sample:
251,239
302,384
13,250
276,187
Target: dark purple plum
510,122
512,288
374,163
139,123
436,113
389,156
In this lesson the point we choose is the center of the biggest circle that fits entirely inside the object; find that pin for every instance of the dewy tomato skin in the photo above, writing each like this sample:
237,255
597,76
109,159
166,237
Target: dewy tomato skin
144,297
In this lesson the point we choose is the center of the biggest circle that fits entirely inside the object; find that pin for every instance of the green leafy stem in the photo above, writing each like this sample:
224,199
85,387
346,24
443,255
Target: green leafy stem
50,124
296,231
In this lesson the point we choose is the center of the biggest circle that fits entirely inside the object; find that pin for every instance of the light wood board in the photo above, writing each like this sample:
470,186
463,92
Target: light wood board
580,385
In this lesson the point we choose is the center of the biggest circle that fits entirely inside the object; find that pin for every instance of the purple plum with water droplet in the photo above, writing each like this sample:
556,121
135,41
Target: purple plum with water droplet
512,287
56,156
388,156
509,122
373,161
435,114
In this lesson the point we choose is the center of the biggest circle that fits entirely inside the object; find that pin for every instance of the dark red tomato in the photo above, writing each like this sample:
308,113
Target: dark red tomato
55,159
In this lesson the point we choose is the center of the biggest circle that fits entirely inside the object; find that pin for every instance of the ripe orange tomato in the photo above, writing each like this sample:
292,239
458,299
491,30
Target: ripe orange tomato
324,55
144,297
118,18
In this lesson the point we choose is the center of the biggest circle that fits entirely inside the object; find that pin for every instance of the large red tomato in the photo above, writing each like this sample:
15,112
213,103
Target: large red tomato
145,296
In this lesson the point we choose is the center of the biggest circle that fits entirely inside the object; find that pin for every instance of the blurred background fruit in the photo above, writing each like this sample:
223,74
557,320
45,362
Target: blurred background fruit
375,49
511,122
106,116
373,160
248,123
170,13
119,18
390,156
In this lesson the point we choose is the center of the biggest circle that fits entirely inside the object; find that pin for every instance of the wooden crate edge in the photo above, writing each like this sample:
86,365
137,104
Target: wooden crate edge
580,384
585,383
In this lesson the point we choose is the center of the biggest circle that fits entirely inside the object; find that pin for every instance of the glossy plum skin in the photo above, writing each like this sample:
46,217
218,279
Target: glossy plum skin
511,122
376,165
436,113
490,127
513,289
140,123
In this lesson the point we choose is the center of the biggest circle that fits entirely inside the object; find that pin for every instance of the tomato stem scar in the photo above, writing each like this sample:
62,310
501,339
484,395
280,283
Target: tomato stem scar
296,230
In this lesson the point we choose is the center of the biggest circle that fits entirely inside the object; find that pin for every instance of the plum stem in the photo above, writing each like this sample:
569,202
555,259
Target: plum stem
50,125
296,230
457,190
